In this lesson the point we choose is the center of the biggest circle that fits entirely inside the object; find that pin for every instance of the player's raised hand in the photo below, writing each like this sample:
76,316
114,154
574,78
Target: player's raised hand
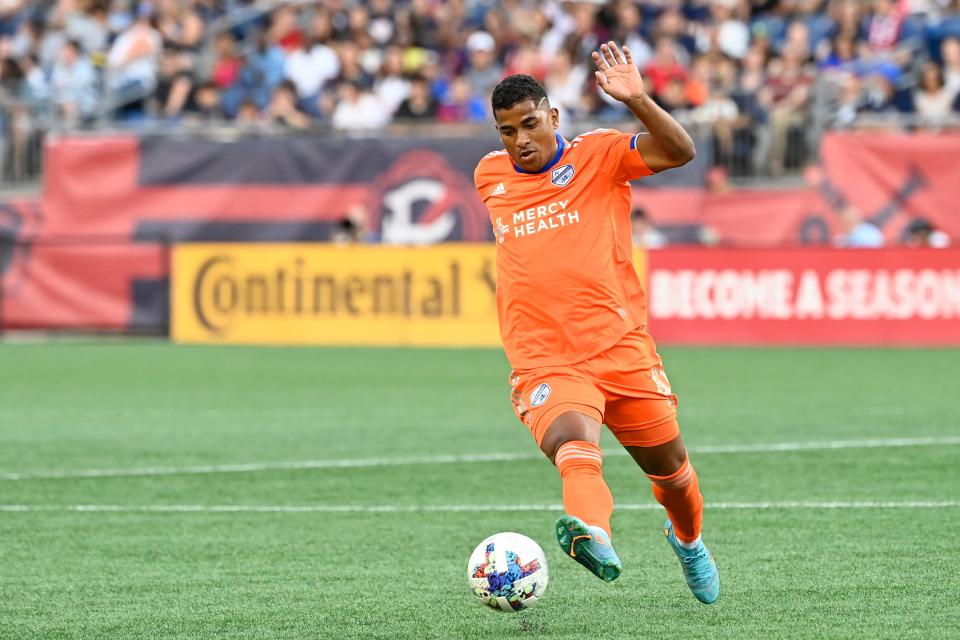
616,73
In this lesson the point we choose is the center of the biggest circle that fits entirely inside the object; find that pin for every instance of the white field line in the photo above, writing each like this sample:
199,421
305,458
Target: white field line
455,508
351,463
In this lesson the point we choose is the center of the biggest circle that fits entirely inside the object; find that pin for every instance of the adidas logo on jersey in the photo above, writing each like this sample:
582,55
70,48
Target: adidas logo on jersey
499,190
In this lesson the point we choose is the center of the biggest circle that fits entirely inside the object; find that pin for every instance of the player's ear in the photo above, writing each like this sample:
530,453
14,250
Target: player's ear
555,117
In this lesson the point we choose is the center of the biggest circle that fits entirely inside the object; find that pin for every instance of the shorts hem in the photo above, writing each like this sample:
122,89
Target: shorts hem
542,425
632,436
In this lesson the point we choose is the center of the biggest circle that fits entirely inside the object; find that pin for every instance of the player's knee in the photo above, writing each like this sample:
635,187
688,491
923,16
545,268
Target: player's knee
568,427
661,460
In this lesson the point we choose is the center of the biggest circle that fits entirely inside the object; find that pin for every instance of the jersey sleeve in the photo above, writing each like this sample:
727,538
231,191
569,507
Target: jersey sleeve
480,180
484,177
620,158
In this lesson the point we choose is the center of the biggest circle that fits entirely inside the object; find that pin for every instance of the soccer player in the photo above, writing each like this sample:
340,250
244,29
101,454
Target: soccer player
572,310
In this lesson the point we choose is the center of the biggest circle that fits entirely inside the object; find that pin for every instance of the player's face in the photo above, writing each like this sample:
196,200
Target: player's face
528,133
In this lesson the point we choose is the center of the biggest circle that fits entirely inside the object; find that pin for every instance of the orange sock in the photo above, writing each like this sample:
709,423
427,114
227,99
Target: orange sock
585,494
679,493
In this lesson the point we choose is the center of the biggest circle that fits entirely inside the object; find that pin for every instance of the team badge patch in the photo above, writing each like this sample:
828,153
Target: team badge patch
561,176
540,395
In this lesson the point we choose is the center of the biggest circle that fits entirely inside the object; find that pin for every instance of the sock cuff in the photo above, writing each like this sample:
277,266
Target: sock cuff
578,451
679,479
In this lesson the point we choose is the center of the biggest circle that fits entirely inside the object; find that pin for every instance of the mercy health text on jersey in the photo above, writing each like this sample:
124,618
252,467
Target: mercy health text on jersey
527,222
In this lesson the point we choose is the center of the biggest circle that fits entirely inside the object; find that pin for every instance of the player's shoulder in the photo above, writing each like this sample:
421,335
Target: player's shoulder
494,163
595,137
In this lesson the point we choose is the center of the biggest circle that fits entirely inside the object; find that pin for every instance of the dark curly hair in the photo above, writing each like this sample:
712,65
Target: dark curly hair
515,89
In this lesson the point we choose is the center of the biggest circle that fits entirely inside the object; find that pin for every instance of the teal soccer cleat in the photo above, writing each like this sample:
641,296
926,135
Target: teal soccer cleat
699,569
590,546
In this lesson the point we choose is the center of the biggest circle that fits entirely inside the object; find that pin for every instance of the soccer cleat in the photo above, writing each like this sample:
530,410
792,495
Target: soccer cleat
590,546
699,569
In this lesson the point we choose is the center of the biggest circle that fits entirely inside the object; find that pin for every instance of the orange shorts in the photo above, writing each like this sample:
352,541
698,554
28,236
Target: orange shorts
624,387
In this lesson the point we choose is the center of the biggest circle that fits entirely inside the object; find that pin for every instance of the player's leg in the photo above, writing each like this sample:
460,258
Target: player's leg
656,446
563,412
672,478
572,441
641,412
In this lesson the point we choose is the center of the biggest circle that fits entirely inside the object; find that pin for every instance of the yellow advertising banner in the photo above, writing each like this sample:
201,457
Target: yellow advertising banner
323,294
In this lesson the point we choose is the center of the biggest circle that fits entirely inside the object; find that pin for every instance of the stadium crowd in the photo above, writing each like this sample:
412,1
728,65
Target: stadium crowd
761,76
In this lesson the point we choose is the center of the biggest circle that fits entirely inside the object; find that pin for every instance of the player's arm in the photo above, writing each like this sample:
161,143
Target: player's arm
667,144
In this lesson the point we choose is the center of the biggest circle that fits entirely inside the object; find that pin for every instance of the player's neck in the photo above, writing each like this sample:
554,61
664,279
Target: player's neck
559,144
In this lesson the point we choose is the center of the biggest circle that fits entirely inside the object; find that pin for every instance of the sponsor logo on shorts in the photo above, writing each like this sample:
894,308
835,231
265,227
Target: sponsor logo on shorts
540,395
561,176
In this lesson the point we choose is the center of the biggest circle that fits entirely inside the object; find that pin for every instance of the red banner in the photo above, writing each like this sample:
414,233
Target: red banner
805,297
892,179
91,252
895,178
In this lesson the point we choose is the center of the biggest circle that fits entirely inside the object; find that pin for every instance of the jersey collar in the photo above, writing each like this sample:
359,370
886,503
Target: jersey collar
556,158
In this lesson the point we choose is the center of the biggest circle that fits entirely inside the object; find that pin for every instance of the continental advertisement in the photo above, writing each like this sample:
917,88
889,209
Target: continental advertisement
322,294
326,294
445,295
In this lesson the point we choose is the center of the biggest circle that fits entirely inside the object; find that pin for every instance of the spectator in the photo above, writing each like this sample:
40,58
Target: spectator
883,27
876,95
89,29
950,53
260,74
565,82
483,72
626,27
350,228
228,63
310,65
920,233
933,100
283,109
11,16
17,116
526,60
459,105
423,25
726,34
284,29
350,68
841,55
673,98
174,84
357,109
664,66
420,105
37,85
857,233
785,96
206,104
133,61
180,26
645,235
73,86
249,117
391,87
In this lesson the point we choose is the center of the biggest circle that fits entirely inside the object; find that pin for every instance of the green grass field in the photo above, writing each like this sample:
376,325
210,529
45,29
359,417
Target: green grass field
833,539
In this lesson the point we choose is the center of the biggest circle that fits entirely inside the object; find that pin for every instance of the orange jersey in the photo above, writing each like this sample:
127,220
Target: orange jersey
566,285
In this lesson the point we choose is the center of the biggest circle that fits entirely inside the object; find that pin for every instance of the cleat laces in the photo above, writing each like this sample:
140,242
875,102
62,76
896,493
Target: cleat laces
697,566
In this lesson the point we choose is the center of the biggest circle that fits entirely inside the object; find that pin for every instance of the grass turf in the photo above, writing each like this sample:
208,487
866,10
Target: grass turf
787,572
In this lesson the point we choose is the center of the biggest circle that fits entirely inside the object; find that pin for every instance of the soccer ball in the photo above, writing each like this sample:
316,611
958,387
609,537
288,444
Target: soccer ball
508,572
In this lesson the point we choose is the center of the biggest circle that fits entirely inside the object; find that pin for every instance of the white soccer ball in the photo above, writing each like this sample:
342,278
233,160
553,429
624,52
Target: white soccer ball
508,572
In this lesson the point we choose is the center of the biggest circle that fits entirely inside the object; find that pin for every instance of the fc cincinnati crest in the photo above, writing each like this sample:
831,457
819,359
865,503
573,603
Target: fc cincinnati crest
561,176
540,395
